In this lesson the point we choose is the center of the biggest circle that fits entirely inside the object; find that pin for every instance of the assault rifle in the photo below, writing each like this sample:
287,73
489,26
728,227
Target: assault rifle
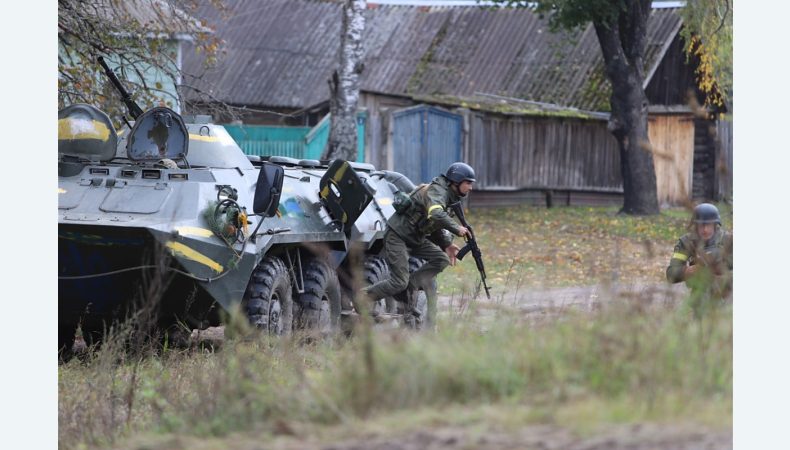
134,110
471,246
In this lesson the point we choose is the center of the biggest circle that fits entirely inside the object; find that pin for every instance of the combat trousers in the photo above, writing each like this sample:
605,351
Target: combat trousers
396,253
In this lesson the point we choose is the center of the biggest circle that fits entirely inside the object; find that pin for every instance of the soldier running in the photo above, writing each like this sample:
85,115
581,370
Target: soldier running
418,229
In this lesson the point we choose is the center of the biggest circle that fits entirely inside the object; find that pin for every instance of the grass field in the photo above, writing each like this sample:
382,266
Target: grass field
569,246
628,365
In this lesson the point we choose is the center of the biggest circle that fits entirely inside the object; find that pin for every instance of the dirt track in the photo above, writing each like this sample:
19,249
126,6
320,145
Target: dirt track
635,437
529,302
533,437
539,302
554,300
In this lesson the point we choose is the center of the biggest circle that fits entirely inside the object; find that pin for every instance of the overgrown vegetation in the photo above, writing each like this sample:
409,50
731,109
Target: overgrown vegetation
636,362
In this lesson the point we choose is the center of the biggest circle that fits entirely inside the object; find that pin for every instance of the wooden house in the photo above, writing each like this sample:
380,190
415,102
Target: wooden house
526,106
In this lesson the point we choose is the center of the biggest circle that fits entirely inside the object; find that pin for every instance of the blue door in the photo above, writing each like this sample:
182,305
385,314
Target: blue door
426,140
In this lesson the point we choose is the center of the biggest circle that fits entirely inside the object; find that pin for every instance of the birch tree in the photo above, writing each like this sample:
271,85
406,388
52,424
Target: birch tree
344,84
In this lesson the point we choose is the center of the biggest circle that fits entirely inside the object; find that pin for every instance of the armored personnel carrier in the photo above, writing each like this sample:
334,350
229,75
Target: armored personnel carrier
172,217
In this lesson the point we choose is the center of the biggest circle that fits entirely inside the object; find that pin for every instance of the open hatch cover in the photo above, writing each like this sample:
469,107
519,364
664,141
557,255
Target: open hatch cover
157,134
344,193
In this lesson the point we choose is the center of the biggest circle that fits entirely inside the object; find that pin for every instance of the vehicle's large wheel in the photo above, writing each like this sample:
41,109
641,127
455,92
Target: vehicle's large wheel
318,308
267,301
66,341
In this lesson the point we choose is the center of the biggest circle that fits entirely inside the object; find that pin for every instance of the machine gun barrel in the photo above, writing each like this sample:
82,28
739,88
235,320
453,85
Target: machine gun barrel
134,110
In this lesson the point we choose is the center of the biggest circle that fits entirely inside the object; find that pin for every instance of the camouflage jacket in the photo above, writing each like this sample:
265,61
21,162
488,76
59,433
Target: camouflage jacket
428,214
716,254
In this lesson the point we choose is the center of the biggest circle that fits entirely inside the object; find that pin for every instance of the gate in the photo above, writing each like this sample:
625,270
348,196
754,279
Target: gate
426,140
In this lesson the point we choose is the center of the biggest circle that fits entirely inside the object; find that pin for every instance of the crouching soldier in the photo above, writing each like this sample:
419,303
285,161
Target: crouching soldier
420,228
703,259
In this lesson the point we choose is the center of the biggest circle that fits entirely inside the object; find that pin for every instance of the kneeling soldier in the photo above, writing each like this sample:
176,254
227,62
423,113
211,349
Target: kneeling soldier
703,258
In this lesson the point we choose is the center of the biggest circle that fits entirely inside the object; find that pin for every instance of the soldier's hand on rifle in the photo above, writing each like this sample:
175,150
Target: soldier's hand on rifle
463,231
452,251
689,272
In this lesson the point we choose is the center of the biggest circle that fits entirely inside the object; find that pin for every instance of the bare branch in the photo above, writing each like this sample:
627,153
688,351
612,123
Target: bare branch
137,36
723,17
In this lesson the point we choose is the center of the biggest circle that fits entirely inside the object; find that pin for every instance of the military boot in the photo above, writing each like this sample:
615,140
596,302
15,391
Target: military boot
411,315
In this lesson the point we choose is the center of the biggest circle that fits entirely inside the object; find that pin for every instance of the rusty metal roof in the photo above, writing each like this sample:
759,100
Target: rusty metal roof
280,53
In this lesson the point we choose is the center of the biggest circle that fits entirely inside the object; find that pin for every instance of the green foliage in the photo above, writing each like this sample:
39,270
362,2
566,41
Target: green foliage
708,35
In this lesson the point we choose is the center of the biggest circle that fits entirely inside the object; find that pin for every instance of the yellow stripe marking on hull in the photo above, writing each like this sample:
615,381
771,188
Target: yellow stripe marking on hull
194,231
222,138
200,137
190,253
73,128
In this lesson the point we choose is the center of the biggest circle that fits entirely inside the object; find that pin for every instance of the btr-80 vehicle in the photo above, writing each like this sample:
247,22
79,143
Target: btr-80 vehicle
174,216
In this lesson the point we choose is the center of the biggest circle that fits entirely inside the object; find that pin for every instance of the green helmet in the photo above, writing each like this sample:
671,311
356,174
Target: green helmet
706,213
458,172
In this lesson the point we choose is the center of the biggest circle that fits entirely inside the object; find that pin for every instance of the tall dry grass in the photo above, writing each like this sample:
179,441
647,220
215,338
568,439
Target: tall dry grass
650,361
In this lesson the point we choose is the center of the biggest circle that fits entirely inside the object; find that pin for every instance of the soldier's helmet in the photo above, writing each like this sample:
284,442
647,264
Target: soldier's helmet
458,172
707,213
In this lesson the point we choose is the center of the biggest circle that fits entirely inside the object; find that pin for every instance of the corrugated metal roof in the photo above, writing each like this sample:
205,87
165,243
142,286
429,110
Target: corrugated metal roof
280,53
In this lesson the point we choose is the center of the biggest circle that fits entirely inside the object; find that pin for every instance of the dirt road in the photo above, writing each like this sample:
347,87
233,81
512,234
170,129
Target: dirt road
532,437
555,300
634,437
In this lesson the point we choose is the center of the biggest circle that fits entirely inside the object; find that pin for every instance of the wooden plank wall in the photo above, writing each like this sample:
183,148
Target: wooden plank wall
378,139
724,159
511,153
533,197
672,139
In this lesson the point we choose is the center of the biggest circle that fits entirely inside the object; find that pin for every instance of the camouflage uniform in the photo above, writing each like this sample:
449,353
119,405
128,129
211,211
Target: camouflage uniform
419,231
713,280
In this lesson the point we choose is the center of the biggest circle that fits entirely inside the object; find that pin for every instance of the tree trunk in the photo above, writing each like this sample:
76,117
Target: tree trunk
344,85
622,45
